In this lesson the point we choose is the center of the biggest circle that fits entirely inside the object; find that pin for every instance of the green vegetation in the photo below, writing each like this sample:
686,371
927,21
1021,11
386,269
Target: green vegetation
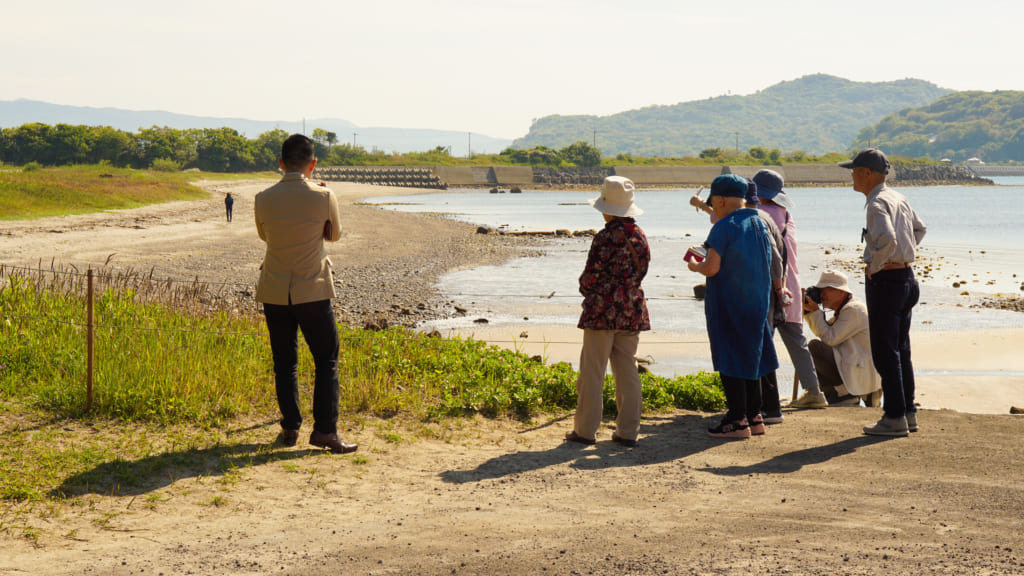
157,363
208,149
817,113
163,365
958,126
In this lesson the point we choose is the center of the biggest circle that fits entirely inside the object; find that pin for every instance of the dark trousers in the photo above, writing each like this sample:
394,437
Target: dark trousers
769,382
891,296
825,365
228,209
770,403
743,398
316,320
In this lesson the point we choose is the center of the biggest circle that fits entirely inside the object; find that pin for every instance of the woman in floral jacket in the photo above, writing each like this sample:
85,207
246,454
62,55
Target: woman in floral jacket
614,313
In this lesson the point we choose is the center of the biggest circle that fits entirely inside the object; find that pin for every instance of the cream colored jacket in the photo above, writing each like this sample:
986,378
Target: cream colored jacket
851,345
291,217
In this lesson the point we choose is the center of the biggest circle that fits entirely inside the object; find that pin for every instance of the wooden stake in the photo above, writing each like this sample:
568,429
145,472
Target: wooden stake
89,338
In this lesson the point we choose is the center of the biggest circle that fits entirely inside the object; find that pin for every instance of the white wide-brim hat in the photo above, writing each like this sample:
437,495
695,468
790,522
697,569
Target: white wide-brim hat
617,198
834,279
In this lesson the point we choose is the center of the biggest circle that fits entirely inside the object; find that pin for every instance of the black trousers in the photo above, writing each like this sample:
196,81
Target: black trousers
891,296
316,320
743,398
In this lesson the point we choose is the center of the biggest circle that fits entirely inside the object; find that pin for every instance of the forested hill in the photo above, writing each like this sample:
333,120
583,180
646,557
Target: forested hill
816,114
958,126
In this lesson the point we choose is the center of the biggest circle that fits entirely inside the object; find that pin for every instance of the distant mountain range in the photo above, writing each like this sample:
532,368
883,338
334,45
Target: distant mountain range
18,112
816,114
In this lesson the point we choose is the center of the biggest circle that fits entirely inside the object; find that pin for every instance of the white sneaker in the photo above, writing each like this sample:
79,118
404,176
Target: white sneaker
888,427
912,421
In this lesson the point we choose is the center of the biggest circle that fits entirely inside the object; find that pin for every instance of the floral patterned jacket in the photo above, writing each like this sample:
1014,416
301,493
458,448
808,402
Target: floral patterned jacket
610,284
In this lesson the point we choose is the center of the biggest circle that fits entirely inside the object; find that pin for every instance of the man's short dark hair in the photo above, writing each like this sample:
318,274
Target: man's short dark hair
297,152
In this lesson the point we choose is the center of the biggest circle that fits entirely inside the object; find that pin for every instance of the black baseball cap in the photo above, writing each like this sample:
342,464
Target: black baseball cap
872,158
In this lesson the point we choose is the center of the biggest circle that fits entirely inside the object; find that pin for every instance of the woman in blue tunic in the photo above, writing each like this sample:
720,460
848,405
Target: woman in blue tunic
736,306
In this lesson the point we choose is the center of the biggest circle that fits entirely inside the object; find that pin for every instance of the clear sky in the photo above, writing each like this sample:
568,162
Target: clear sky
485,66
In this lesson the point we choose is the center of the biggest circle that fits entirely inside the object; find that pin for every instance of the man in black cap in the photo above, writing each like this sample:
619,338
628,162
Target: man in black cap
893,232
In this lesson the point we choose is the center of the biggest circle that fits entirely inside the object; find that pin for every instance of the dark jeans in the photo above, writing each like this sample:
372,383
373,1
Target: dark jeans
316,320
743,398
891,296
229,213
825,365
770,394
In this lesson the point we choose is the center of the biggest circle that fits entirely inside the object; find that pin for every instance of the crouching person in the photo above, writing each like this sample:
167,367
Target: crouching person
842,352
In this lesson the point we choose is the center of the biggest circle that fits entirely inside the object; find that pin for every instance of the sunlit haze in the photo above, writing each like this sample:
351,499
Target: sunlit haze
488,67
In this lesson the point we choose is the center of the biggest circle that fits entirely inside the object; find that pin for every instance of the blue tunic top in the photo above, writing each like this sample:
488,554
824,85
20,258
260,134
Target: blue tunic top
736,300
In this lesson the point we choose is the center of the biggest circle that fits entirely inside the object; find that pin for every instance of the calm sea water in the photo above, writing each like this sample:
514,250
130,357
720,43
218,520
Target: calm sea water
975,237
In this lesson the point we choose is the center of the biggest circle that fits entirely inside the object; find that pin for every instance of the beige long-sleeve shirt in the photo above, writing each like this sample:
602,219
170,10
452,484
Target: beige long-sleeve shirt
893,229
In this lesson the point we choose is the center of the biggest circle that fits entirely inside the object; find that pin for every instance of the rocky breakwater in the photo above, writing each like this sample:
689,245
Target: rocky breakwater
935,174
571,177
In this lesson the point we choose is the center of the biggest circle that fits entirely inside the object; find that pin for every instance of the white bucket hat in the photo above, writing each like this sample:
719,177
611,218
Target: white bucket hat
833,279
617,197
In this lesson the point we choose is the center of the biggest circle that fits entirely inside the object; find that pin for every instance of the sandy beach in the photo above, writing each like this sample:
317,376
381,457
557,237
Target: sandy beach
813,496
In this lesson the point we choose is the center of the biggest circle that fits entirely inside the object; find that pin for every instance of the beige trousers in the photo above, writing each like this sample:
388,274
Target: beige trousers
600,347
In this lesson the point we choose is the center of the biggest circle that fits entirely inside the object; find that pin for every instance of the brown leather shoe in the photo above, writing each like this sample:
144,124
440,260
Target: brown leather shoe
331,442
288,437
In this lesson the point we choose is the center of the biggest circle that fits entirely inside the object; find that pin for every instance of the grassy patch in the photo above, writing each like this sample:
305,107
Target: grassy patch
83,189
188,393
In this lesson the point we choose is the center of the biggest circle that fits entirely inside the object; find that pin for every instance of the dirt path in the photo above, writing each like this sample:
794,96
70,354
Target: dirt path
813,496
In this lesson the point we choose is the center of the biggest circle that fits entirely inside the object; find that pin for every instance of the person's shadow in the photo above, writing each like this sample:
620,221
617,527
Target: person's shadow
135,477
662,439
793,461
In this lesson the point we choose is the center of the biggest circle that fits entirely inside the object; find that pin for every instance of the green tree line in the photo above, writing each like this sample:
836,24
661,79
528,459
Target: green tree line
225,150
959,126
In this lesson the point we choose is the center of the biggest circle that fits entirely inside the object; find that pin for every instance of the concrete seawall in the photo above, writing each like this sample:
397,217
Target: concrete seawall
650,176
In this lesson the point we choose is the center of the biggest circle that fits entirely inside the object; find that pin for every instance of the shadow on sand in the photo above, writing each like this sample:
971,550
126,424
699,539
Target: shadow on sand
135,477
661,440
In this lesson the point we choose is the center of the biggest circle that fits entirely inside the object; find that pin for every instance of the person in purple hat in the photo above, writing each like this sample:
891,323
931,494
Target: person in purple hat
890,241
738,271
778,204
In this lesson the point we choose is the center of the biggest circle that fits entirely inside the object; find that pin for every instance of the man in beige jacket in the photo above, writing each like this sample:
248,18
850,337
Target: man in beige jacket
294,217
842,355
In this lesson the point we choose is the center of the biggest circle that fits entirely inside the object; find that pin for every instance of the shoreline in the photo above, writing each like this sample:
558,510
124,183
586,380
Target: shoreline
387,265
987,377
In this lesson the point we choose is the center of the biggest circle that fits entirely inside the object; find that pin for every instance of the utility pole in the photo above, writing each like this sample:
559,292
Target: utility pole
737,143
595,137
469,145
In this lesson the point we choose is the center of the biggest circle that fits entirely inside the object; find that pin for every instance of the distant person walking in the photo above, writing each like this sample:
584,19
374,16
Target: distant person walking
296,285
229,202
614,314
890,238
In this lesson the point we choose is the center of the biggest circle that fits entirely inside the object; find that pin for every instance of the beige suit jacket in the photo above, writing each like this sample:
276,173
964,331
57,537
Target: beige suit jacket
850,341
290,218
